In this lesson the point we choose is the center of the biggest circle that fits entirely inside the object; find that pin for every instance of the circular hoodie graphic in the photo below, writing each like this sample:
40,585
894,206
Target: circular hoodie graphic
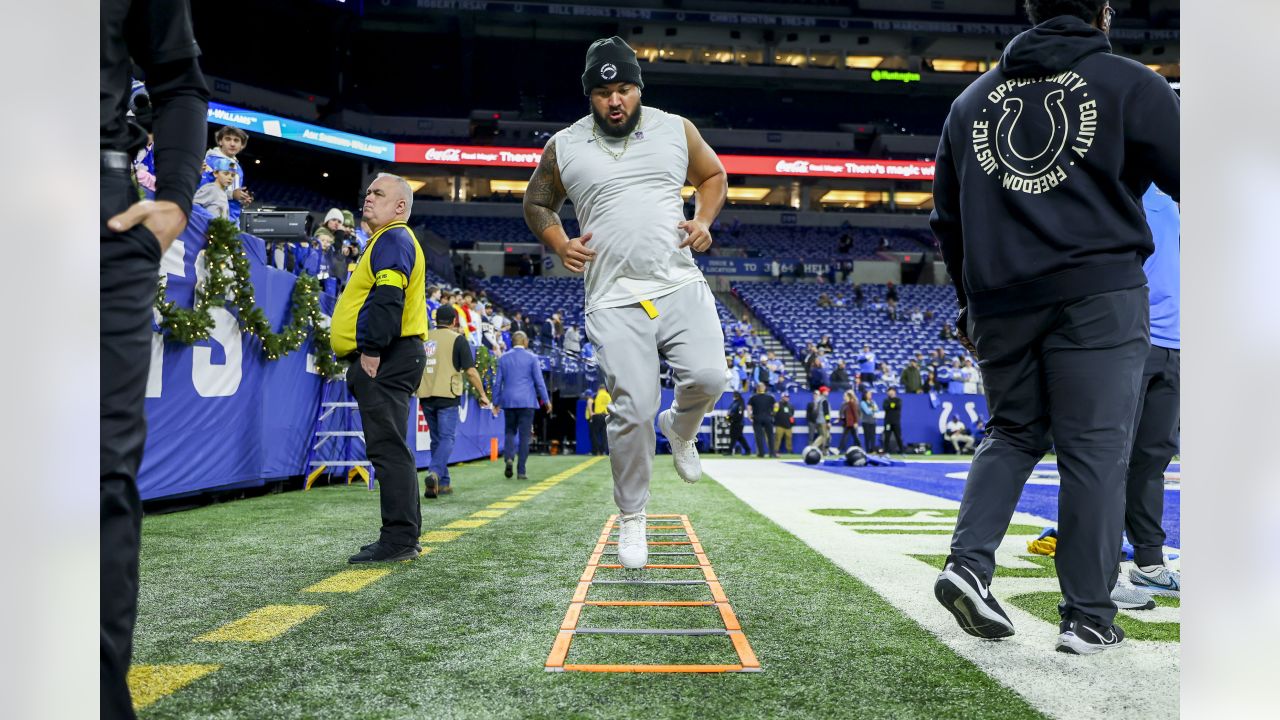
1035,130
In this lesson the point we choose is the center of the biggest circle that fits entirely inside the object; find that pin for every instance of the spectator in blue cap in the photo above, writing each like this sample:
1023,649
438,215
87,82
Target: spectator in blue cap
230,140
212,196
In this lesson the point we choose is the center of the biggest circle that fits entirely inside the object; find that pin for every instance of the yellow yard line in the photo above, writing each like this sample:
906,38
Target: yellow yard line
266,623
467,524
349,580
149,683
439,536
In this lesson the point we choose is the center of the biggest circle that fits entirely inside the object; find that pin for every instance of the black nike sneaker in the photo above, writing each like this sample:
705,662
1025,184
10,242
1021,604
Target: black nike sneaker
1082,637
961,590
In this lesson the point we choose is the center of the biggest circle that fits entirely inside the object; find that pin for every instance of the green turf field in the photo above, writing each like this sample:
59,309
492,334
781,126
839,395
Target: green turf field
464,631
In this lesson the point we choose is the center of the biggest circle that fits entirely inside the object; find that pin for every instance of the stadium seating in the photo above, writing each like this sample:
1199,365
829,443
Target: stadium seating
819,243
791,313
808,243
538,297
267,193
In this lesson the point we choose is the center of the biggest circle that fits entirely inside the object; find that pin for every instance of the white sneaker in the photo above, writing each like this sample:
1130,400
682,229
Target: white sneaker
633,545
683,452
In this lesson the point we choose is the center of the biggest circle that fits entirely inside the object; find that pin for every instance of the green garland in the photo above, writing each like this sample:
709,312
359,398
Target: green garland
229,281
487,367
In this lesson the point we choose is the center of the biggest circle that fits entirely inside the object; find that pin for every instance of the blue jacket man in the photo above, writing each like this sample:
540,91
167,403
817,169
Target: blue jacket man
519,389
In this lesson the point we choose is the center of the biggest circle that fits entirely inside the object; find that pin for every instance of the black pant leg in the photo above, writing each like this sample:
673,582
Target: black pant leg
736,438
869,436
524,422
384,414
510,422
1093,361
1154,445
128,265
599,435
757,428
1008,347
892,434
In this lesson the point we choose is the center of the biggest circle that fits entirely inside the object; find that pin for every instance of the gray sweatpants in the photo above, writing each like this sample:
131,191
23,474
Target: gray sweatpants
687,334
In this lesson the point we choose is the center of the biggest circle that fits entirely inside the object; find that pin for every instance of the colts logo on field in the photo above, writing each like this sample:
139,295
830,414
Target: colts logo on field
430,347
1025,131
608,71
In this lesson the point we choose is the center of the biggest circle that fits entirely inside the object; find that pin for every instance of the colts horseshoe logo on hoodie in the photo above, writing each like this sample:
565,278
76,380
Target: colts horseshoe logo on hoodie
1033,131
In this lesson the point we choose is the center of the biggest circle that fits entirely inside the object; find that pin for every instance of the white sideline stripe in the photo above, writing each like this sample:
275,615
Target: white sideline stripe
1057,684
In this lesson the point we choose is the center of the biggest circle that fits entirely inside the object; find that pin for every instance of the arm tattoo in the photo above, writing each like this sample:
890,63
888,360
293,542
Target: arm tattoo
545,194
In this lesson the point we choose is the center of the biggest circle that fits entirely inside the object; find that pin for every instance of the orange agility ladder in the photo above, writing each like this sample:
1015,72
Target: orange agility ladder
747,662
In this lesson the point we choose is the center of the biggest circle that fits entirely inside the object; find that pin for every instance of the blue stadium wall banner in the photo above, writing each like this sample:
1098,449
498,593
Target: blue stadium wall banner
220,415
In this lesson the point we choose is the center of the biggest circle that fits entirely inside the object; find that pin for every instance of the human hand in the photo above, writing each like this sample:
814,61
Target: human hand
495,410
370,364
699,235
163,218
575,254
242,195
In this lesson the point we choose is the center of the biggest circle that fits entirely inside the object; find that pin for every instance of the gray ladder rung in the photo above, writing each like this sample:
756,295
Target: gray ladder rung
653,522
342,463
649,631
649,582
652,554
340,433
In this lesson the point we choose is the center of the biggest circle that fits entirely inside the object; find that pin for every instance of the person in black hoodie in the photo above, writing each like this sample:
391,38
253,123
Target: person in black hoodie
1040,172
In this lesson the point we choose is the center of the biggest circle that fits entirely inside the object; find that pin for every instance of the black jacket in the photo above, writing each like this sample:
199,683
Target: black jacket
736,410
893,411
784,415
1041,169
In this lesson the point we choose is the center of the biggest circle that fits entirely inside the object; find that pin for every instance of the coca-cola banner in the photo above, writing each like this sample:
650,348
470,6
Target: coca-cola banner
468,155
482,156
828,167
464,155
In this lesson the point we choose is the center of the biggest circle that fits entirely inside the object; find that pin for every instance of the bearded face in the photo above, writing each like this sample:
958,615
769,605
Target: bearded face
616,108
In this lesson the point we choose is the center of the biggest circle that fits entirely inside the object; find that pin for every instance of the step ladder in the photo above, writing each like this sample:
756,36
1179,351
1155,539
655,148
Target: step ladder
335,406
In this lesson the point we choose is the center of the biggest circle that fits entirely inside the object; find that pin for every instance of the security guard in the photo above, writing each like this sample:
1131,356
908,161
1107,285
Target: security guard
379,324
449,357
157,36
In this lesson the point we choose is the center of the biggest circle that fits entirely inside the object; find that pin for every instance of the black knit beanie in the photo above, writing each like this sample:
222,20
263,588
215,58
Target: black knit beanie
610,60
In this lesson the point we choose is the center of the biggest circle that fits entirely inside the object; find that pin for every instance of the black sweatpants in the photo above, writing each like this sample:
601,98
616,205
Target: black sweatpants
736,438
1155,443
384,415
764,437
1071,369
128,267
893,430
599,434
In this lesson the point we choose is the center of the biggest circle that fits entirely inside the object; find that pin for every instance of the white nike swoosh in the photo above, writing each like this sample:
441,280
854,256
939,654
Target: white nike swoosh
1101,639
982,589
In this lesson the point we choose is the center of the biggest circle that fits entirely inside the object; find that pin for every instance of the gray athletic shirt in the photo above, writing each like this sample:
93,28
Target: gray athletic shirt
631,206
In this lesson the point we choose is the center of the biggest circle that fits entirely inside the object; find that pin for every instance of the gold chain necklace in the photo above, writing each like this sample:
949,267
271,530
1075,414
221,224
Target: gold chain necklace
599,140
